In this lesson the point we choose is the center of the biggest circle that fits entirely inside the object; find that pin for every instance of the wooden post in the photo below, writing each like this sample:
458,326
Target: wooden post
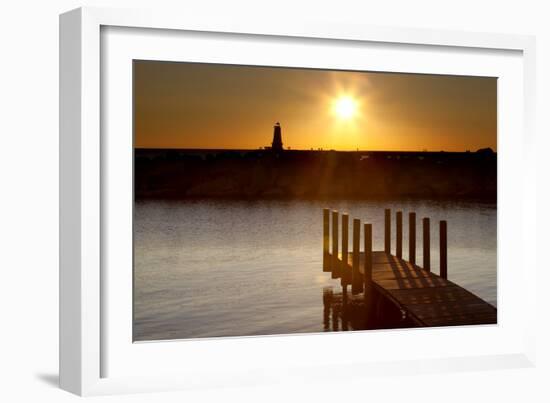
399,234
334,264
356,281
387,230
426,242
443,249
367,277
344,270
326,239
412,238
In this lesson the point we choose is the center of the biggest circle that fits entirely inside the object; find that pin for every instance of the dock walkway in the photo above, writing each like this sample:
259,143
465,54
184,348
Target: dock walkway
422,296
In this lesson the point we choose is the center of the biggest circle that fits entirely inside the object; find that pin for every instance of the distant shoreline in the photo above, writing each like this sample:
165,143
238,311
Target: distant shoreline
148,150
452,200
315,175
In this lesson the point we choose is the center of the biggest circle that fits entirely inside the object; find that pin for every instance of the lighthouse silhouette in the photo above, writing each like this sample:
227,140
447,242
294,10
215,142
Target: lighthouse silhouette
277,144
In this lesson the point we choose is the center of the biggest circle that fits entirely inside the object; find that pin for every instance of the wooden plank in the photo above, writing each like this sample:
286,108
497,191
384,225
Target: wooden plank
335,264
426,243
399,234
406,283
383,262
399,266
367,259
381,259
356,276
387,230
384,274
443,249
377,257
326,240
441,295
396,264
461,320
345,273
412,237
476,307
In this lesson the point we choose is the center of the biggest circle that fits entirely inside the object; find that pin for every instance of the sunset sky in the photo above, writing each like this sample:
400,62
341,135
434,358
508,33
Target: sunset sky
191,105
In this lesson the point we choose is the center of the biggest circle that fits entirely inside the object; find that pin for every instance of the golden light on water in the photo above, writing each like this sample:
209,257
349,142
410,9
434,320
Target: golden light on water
345,107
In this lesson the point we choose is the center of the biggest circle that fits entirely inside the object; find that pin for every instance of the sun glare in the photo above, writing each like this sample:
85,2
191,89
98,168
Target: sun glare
345,107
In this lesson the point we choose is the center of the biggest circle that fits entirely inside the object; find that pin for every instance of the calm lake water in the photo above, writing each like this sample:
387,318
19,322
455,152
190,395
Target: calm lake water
207,268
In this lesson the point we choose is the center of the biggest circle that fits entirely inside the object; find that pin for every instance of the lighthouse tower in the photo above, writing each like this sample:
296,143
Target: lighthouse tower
277,144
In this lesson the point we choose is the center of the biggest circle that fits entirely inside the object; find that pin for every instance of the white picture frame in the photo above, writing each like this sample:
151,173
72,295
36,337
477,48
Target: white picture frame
95,359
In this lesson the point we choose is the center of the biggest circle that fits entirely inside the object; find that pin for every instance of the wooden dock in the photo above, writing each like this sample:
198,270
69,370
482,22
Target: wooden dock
424,298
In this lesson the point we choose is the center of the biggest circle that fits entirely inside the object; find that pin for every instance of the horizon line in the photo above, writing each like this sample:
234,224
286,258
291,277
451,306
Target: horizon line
311,149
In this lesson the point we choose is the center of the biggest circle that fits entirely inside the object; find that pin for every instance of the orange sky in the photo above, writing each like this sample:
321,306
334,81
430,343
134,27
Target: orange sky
192,105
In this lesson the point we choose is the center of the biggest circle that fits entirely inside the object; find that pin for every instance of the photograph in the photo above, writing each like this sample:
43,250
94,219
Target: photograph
212,201
280,200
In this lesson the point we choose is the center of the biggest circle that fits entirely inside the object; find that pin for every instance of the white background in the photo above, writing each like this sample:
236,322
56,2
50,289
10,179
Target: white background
29,187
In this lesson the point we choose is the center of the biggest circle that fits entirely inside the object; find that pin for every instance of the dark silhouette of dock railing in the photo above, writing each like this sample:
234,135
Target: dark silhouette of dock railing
385,279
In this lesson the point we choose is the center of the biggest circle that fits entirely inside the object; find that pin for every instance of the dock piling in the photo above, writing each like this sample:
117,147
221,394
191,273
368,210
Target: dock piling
367,277
412,238
399,234
356,281
326,240
387,230
344,270
426,242
335,263
443,249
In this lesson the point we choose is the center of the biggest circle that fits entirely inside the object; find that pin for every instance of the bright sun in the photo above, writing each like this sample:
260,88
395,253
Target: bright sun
345,107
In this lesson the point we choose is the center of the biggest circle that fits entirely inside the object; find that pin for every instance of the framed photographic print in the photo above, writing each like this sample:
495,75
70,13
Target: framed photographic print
237,198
